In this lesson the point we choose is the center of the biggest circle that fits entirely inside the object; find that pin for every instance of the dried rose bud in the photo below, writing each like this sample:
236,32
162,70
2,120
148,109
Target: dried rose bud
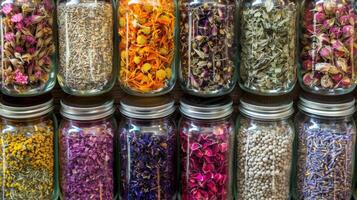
343,20
323,67
307,65
308,79
335,32
320,17
337,77
345,82
342,64
348,31
338,46
328,23
326,82
333,70
330,7
326,52
319,7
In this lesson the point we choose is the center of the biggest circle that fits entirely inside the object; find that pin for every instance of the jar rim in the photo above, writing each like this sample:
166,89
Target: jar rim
267,111
147,107
345,107
90,110
13,111
212,108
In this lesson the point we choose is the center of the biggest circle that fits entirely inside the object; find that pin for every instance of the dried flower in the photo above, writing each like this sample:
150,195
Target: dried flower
20,78
7,8
9,36
17,18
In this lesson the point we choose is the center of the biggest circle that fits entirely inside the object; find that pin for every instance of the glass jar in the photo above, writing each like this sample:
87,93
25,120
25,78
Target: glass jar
206,145
86,44
147,138
207,47
268,46
328,47
28,152
28,49
264,150
86,138
325,148
147,48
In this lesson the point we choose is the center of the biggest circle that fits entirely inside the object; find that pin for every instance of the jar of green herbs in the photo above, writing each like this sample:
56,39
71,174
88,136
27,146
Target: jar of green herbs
268,46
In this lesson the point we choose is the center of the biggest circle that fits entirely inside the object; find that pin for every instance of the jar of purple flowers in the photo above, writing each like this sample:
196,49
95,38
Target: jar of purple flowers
325,148
206,148
147,140
86,150
207,61
28,51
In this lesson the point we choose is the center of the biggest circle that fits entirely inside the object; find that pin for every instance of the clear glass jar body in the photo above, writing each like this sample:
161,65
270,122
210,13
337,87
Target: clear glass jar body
206,148
264,158
86,155
325,157
28,163
148,158
207,65
28,47
268,46
328,47
147,46
86,43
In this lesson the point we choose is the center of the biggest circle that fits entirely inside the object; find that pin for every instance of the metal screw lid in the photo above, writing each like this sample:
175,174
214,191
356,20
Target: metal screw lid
337,106
147,107
89,108
26,107
266,109
206,108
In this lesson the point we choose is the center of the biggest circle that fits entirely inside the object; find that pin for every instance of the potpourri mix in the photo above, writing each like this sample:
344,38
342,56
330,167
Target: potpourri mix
328,46
207,47
87,160
147,46
27,159
28,47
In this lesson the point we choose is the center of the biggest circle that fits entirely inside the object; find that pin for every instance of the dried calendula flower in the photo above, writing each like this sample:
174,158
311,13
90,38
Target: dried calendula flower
86,46
147,46
28,47
27,159
207,49
268,47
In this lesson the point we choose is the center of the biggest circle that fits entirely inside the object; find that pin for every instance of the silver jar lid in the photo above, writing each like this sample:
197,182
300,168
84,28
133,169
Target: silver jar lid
266,110
206,108
339,106
147,107
89,108
26,107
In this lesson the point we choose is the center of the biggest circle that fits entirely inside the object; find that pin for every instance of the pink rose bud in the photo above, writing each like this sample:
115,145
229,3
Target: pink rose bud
326,52
7,8
343,20
341,10
320,17
338,46
347,31
335,32
308,79
337,77
330,7
327,24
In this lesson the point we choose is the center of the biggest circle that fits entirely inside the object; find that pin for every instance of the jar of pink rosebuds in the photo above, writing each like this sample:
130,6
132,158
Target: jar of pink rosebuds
328,47
206,148
27,47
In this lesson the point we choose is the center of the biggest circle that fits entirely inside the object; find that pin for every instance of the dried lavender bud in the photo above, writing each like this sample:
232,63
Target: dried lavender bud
325,154
207,53
87,159
85,46
268,47
264,158
148,161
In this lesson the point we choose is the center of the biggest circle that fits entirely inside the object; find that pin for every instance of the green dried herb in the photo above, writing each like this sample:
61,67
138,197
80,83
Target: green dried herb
268,47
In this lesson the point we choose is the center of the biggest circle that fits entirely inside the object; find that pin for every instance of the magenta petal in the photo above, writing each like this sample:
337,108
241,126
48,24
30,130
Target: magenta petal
199,177
208,152
195,146
207,167
223,147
